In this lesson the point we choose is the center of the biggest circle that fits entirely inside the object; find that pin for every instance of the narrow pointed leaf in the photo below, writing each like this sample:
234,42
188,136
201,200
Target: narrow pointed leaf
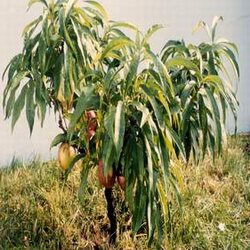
18,106
100,8
151,31
30,107
87,100
31,2
119,129
58,139
116,43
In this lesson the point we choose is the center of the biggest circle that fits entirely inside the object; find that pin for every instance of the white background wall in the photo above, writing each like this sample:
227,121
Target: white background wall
179,17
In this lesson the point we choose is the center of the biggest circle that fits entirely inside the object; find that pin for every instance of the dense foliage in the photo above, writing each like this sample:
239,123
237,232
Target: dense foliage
205,79
151,111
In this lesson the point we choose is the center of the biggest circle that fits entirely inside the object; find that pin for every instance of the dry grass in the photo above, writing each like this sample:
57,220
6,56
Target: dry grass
38,211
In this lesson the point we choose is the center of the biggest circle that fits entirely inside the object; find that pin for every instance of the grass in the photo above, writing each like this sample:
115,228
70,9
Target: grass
39,211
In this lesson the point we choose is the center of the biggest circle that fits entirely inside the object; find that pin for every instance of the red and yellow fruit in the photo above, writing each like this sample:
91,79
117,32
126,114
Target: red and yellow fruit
106,181
92,124
121,182
90,114
66,154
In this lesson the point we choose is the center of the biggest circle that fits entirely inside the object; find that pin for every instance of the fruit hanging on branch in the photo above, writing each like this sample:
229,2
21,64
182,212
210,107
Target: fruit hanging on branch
121,181
106,180
66,154
91,124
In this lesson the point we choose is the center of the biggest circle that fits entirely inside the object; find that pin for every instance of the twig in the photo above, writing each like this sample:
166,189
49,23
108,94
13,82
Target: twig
60,122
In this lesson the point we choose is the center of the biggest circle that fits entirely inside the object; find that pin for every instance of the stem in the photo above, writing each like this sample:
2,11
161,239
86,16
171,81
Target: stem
60,122
111,215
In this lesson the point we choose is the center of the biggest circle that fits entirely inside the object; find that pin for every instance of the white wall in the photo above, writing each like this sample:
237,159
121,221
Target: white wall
179,16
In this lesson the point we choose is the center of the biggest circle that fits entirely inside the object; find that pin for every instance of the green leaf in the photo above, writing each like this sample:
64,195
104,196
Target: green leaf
177,192
30,107
31,2
109,120
174,48
202,24
183,62
100,8
187,91
131,168
156,107
42,54
163,98
203,123
18,106
124,25
64,31
72,164
212,144
78,32
211,64
58,139
84,180
151,31
216,115
114,123
15,81
108,154
232,102
150,187
97,17
10,104
119,129
163,71
132,70
41,104
13,65
88,100
232,59
225,43
164,154
216,82
214,25
140,158
84,16
31,24
164,202
139,208
176,139
158,224
146,115
187,113
115,44
69,6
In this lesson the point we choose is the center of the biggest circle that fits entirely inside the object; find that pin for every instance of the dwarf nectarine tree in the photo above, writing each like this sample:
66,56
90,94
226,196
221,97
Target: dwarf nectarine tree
121,105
